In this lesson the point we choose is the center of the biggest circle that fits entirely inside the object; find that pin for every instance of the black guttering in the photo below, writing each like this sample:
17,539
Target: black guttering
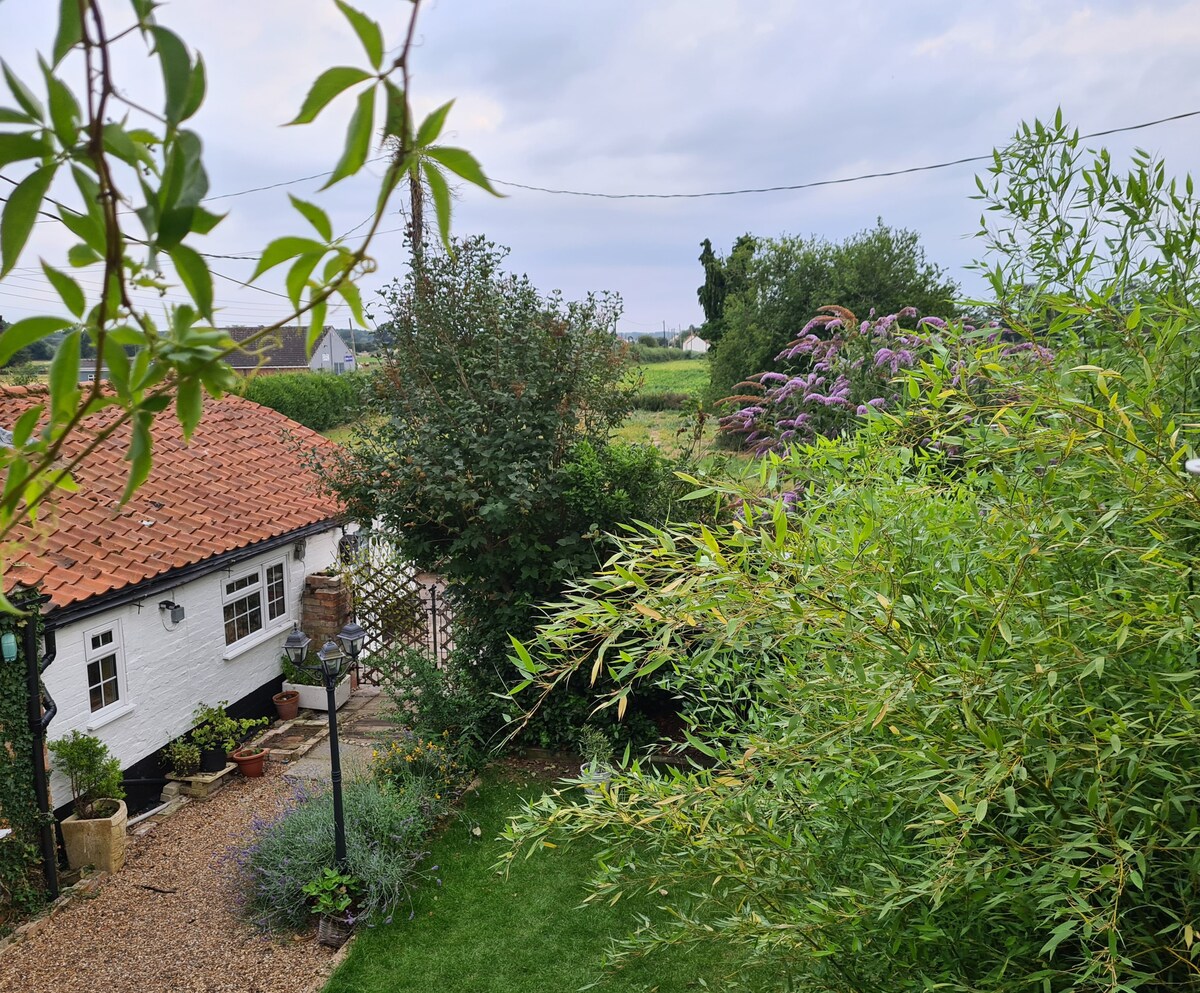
62,616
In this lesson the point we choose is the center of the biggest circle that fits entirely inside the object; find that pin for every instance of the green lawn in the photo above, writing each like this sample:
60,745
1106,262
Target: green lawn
483,933
679,376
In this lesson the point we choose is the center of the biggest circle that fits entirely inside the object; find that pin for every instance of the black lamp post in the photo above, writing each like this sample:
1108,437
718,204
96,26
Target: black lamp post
330,661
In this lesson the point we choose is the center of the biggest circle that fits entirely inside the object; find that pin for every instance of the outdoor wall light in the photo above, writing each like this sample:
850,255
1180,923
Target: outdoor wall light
176,610
8,646
299,549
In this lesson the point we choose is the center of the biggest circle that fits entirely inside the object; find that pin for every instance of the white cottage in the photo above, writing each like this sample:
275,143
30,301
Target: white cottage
185,594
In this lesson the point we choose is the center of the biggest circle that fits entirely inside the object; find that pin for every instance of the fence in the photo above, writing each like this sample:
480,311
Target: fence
396,605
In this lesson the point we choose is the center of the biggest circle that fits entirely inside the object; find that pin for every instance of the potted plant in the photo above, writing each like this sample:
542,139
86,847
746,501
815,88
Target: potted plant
184,757
95,833
217,734
250,760
597,752
311,687
331,895
287,704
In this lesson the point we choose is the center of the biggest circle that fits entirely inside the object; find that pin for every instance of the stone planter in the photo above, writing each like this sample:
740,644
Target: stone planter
314,698
98,841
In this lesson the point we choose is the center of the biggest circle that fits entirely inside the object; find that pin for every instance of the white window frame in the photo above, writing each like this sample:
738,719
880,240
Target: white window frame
121,704
255,584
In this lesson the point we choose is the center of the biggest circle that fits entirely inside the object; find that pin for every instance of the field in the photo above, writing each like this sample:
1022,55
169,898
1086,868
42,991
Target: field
680,376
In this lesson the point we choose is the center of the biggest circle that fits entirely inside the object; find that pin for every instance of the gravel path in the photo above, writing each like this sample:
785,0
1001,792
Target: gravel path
129,937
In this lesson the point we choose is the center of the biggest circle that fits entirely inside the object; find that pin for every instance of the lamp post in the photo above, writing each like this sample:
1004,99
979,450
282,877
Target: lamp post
330,659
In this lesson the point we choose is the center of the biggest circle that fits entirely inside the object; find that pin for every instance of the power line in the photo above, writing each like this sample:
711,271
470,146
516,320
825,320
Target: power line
823,182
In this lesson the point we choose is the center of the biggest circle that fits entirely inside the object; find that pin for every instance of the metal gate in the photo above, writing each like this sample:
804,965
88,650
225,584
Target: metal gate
396,605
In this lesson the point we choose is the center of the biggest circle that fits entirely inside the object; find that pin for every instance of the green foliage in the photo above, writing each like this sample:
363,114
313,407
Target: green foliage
723,278
945,667
19,853
433,765
594,745
385,830
157,176
789,279
484,401
663,401
332,892
184,757
649,355
434,700
316,400
215,730
94,774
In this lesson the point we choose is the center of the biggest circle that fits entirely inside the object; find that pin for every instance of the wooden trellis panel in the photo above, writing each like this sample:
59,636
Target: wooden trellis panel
391,602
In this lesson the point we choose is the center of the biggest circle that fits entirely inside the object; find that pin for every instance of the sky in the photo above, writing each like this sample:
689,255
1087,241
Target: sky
648,96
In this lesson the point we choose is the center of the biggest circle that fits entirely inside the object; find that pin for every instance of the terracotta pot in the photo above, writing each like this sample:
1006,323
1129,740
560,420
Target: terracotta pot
287,704
98,841
250,761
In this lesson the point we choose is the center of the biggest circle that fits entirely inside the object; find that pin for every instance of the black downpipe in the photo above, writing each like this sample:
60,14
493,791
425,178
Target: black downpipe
38,722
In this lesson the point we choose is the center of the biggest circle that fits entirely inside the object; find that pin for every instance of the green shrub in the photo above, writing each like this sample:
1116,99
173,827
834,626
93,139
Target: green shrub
94,774
385,831
430,765
215,730
319,401
434,700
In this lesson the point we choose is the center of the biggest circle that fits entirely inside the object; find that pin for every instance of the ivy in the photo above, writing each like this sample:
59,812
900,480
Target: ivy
20,856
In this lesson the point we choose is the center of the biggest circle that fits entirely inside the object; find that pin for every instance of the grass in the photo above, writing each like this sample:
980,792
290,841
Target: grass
679,376
522,934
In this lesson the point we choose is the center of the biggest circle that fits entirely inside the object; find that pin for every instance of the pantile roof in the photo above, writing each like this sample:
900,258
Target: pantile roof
281,349
241,480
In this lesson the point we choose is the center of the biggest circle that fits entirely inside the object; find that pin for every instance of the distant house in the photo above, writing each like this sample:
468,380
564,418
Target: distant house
284,350
694,343
184,594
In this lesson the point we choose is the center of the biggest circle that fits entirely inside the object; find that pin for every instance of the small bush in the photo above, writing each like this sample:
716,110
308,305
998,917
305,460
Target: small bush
385,831
434,700
432,764
319,401
94,774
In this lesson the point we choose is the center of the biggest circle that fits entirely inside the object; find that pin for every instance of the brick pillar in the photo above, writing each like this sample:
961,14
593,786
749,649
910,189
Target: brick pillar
324,608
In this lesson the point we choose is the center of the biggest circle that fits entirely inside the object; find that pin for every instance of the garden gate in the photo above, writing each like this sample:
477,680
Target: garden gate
395,604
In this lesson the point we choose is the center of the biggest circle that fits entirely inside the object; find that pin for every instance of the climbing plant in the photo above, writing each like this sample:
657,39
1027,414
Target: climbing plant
19,855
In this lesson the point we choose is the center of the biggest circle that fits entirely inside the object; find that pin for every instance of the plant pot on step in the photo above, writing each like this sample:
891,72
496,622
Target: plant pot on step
212,759
97,841
334,930
250,761
287,704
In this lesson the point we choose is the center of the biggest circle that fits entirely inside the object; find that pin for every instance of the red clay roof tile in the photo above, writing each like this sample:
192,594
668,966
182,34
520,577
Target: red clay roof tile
238,482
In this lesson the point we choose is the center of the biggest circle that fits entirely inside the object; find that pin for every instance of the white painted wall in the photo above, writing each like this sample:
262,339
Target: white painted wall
170,668
695,344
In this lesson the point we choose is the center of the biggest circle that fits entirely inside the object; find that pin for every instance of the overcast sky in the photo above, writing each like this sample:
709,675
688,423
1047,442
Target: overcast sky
678,96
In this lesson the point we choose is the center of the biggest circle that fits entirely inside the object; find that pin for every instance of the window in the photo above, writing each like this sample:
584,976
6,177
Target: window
102,653
252,599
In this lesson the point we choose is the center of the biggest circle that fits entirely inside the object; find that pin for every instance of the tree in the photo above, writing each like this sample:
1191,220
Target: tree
488,459
789,279
82,133
722,278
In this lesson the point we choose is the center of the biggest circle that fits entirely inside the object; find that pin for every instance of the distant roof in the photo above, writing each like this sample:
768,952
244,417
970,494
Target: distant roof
239,482
281,349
